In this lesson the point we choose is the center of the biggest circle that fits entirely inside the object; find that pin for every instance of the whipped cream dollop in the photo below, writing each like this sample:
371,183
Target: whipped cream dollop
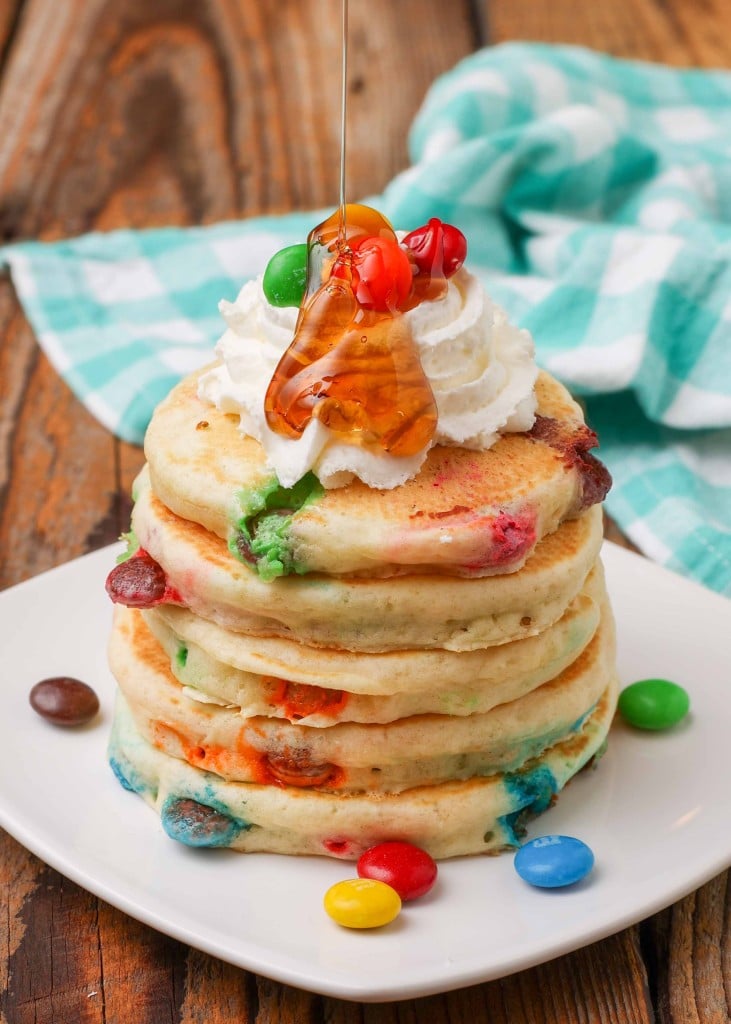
481,369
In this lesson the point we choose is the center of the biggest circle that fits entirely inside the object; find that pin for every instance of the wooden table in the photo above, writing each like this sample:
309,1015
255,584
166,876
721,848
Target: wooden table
149,112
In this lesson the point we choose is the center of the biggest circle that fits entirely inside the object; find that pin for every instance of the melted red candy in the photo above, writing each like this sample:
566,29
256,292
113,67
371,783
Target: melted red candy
438,249
64,701
406,868
574,442
338,847
140,582
513,537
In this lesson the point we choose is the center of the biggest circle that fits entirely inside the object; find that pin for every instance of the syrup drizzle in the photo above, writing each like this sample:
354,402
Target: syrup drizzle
343,124
357,370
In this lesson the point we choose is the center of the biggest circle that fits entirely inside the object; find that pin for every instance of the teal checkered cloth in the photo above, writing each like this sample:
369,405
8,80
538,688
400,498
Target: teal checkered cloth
596,197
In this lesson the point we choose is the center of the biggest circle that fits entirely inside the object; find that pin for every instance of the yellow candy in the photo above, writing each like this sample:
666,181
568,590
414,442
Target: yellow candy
362,903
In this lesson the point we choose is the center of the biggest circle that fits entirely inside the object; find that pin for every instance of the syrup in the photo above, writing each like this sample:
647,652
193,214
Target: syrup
353,367
356,370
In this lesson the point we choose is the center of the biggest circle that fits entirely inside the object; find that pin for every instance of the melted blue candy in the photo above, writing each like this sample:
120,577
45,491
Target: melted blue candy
198,824
127,776
533,792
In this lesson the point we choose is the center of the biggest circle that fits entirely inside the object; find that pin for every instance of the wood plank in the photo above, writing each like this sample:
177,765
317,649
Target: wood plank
183,111
54,962
673,32
141,968
217,993
10,14
689,946
603,983
20,876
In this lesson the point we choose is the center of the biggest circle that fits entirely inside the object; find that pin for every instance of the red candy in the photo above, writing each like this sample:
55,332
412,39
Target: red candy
406,868
381,274
140,582
438,249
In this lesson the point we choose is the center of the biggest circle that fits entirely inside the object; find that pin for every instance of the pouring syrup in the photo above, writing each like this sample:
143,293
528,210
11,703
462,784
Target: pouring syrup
353,364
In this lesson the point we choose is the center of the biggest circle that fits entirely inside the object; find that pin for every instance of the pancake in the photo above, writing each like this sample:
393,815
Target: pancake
467,513
484,815
370,615
419,750
321,686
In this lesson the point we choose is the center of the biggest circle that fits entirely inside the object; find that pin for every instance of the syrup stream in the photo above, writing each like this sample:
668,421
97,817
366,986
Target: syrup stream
343,120
353,367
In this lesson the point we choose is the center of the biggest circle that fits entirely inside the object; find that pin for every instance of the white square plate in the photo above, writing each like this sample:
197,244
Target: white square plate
656,812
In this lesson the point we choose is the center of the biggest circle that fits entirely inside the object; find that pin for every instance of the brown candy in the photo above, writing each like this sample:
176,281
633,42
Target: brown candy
294,768
64,701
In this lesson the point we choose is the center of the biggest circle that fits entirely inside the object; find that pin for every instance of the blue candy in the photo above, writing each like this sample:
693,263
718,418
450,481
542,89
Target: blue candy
553,861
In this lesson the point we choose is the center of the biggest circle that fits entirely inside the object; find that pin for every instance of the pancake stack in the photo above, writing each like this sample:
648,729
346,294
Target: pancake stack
305,671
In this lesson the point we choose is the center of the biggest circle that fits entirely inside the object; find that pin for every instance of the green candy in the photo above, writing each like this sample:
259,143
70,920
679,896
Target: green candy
285,277
653,704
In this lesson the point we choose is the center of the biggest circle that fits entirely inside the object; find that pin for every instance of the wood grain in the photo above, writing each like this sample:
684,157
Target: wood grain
689,948
60,919
679,32
603,982
182,111
10,11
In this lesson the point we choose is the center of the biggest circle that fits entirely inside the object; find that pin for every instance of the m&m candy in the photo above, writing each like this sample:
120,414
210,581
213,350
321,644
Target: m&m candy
362,903
285,277
405,867
550,862
64,701
381,274
653,704
438,249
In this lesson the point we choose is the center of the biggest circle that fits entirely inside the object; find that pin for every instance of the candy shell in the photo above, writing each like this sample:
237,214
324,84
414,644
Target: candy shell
653,704
285,277
362,903
64,701
437,248
382,275
405,867
550,862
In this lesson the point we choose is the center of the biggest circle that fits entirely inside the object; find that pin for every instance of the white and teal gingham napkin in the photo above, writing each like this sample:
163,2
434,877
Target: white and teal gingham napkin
596,197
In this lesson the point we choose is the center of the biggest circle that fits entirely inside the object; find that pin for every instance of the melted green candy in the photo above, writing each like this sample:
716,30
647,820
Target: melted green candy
262,537
285,277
